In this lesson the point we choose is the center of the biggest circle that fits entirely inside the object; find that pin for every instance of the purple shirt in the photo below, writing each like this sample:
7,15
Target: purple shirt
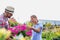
3,21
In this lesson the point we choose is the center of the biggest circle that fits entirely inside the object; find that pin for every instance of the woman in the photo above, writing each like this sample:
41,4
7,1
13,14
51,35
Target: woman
37,28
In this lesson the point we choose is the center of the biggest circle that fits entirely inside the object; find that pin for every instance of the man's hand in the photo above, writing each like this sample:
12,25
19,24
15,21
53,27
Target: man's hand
29,28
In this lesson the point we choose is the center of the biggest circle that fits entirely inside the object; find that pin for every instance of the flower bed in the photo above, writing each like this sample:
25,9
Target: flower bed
51,34
17,29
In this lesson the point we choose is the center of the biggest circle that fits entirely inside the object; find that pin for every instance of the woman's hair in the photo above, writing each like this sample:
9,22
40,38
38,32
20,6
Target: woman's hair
34,16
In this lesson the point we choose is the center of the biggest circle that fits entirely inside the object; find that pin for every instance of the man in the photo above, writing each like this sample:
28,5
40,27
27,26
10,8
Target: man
37,28
4,17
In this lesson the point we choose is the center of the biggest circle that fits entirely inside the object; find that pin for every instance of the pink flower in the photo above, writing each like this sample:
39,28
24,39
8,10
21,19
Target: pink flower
23,27
14,32
18,27
29,33
9,28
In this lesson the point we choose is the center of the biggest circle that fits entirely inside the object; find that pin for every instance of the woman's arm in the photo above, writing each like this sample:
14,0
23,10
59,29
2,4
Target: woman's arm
36,30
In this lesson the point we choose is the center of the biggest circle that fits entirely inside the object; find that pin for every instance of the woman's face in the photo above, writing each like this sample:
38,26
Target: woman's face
34,20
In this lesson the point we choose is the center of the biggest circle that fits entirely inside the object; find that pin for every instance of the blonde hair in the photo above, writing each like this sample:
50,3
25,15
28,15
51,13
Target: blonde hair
34,16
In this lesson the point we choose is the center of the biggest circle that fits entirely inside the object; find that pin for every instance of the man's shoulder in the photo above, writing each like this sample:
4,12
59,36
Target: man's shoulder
1,17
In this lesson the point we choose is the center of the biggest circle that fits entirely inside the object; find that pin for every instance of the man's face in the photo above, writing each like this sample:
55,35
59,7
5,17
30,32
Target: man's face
33,19
8,14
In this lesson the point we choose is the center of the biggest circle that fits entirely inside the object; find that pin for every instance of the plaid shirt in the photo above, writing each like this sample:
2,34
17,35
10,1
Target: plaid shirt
3,21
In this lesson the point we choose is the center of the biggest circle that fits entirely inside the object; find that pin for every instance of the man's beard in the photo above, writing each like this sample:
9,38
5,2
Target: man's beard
9,17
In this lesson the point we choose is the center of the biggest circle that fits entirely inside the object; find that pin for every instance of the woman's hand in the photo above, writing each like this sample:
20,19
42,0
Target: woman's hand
29,28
